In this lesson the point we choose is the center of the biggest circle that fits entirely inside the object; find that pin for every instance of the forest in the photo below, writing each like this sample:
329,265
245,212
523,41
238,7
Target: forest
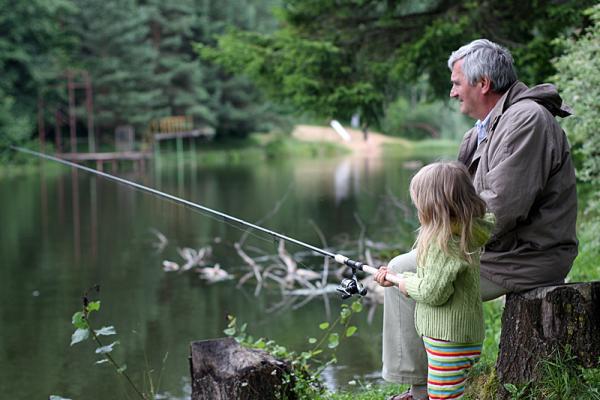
246,69
243,66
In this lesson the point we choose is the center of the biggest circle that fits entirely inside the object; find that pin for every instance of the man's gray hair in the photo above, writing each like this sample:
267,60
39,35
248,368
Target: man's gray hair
482,58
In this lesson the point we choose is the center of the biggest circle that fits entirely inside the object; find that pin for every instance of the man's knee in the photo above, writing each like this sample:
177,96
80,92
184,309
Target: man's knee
491,290
406,262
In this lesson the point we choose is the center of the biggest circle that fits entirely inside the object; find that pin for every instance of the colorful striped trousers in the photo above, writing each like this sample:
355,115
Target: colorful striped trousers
449,364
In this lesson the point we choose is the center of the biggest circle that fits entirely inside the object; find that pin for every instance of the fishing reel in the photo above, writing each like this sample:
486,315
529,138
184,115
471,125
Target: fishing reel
350,287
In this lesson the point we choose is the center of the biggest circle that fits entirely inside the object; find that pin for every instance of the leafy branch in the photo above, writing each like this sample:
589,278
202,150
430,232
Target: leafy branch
84,329
305,376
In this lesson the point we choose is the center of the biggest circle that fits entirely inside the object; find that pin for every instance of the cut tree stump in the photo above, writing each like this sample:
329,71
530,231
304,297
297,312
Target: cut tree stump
222,369
539,323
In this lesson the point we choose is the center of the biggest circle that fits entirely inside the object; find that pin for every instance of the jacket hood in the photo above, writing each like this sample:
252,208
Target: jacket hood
482,230
544,94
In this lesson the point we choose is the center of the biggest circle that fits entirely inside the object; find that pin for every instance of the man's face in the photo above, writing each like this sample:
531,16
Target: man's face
468,96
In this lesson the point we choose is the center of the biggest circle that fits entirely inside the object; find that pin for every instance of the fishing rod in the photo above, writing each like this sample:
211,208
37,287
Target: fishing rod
347,287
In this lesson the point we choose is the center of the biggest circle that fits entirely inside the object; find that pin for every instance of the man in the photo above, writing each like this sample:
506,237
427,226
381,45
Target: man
520,162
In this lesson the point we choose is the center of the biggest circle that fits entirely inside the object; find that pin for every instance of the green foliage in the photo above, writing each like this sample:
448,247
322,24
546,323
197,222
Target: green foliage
115,48
516,392
483,382
560,379
419,119
492,312
16,127
586,267
284,147
335,58
236,105
310,74
178,72
33,48
305,379
140,58
579,82
368,392
84,330
256,147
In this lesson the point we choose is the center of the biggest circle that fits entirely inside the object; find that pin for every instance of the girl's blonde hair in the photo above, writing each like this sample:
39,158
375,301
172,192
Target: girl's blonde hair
447,204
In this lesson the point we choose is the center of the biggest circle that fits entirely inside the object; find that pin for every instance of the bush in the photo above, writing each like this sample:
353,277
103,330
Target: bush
424,120
579,83
15,128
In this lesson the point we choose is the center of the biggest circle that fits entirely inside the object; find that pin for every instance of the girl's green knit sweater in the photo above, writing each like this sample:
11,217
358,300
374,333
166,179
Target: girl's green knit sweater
446,289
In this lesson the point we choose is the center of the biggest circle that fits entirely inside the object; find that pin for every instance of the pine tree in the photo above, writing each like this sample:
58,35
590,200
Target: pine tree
178,70
116,49
33,48
237,104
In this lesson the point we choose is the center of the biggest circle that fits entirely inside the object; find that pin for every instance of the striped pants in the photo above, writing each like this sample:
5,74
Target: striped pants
448,365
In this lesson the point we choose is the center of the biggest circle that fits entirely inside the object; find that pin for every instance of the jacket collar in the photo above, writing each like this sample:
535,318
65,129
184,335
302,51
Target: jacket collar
507,99
545,95
502,105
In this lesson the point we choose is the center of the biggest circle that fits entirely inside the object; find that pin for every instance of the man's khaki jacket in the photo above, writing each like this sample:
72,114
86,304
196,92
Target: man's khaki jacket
524,172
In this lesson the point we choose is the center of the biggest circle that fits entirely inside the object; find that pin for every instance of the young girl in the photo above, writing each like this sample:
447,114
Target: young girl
448,313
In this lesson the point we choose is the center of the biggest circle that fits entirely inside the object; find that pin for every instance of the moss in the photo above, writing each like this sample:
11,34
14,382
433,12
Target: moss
482,383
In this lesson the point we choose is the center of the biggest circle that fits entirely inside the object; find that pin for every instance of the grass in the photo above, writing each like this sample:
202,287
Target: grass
423,149
256,147
280,146
587,263
368,392
29,166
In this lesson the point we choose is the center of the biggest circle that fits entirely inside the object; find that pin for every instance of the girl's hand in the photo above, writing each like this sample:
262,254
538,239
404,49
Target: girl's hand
380,277
402,287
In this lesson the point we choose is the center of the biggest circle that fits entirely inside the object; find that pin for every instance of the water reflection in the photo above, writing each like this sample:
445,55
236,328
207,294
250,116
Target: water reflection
63,233
342,181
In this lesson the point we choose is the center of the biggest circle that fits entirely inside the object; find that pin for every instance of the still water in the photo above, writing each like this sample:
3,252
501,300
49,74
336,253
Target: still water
65,231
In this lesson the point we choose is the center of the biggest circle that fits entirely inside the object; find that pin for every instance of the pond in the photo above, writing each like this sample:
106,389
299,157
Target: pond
65,232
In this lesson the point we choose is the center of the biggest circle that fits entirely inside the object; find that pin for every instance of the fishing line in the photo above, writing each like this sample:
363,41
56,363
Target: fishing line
347,288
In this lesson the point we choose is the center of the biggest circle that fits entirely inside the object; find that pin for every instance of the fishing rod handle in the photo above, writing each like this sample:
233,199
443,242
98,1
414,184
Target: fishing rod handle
366,268
390,277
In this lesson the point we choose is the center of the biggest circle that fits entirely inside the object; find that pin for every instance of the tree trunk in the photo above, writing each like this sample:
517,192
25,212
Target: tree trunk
222,369
539,323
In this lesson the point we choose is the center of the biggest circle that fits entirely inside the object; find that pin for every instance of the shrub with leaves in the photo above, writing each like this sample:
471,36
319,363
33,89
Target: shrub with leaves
561,378
84,330
307,366
579,83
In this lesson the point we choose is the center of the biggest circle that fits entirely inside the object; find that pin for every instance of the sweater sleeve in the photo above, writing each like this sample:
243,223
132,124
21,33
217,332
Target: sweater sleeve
436,284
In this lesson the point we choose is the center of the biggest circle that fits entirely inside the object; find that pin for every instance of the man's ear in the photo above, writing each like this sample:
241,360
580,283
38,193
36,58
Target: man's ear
486,85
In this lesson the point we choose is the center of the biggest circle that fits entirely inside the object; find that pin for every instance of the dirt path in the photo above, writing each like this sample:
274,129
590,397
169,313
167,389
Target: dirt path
359,147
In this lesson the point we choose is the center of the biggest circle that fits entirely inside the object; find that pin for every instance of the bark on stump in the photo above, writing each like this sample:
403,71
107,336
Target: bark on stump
222,369
538,323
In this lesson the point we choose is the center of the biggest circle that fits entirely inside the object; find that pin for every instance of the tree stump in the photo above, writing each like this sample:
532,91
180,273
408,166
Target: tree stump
222,369
539,323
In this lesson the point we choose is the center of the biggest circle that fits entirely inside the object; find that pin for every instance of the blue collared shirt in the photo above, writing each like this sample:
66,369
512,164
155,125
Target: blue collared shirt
482,129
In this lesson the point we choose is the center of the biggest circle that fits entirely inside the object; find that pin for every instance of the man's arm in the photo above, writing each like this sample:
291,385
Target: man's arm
519,167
